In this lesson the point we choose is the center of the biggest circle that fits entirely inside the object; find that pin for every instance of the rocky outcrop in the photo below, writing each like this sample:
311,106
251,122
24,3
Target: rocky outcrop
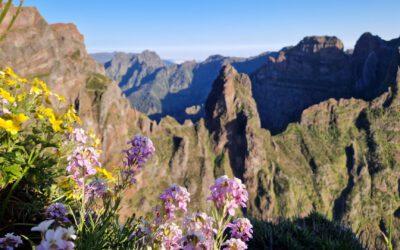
230,113
374,65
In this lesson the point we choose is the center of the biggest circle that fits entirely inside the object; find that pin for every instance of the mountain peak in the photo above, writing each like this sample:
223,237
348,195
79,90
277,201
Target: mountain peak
314,44
230,97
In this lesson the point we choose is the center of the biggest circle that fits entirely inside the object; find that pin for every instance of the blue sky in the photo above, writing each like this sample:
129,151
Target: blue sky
193,29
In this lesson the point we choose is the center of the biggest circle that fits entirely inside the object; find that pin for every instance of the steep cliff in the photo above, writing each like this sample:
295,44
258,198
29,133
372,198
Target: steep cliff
317,69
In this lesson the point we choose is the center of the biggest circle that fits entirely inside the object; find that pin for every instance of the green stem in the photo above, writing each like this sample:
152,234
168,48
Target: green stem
220,228
82,208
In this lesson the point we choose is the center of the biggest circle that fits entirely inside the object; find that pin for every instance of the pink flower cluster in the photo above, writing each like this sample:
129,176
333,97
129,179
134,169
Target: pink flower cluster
10,241
241,229
136,156
199,231
168,235
234,244
141,150
57,212
82,163
95,189
175,198
78,135
229,194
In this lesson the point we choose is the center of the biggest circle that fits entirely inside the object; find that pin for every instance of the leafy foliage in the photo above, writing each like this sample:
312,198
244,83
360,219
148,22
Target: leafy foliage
32,145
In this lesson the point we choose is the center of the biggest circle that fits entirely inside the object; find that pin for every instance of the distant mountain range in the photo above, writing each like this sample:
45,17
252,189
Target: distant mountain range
160,88
284,82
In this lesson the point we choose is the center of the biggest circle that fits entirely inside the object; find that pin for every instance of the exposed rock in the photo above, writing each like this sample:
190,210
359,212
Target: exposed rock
374,64
318,69
314,70
230,109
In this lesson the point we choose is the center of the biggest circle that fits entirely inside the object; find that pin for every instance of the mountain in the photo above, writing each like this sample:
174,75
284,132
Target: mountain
159,89
317,69
102,57
340,159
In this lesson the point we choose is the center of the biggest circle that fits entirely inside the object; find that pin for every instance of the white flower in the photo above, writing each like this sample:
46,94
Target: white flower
58,239
70,233
43,226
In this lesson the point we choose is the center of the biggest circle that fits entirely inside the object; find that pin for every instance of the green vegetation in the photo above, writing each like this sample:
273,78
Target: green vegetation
311,232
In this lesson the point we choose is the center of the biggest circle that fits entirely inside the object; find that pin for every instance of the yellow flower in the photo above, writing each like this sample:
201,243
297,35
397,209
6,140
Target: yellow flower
71,117
6,95
105,173
19,118
21,97
55,124
42,86
60,97
43,112
10,73
9,126
35,90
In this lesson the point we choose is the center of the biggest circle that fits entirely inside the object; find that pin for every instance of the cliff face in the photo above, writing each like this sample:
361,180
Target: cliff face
317,69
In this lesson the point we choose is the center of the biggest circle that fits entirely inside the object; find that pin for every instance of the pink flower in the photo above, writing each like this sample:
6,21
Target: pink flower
136,156
199,231
141,150
58,212
168,235
82,163
234,244
10,241
241,229
175,198
78,135
96,189
229,194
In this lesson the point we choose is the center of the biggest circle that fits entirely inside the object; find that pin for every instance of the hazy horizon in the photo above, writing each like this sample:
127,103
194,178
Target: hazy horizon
181,31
